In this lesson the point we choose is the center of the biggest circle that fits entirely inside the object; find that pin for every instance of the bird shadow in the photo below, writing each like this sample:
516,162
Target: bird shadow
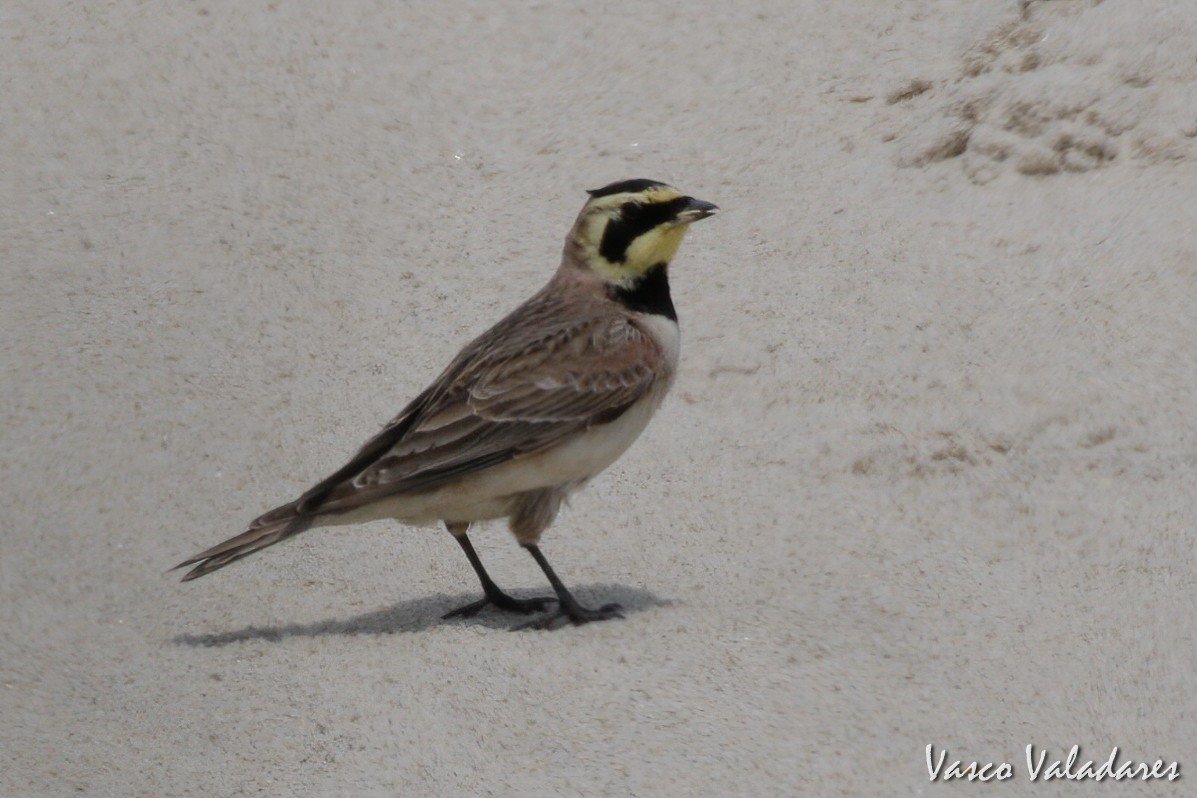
418,615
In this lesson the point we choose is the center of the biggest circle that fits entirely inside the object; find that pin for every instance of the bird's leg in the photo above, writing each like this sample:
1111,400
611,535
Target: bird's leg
567,606
494,596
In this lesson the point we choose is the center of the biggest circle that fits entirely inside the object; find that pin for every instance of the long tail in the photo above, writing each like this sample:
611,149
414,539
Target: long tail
273,527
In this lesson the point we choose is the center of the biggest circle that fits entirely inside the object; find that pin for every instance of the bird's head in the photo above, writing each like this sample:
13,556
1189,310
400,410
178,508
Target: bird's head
627,228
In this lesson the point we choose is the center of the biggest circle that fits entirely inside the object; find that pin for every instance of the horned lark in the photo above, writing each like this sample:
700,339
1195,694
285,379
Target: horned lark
526,413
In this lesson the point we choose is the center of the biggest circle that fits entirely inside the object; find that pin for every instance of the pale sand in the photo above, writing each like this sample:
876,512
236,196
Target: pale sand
927,475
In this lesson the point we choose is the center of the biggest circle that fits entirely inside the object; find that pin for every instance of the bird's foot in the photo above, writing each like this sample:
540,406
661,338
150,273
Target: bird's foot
575,614
501,601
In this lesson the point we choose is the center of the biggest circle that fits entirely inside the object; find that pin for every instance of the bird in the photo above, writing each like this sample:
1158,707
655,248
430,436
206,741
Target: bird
528,412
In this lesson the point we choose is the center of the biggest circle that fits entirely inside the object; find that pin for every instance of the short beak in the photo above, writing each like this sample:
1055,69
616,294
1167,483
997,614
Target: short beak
696,209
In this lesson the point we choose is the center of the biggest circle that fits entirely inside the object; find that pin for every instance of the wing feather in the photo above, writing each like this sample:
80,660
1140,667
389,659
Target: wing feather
511,393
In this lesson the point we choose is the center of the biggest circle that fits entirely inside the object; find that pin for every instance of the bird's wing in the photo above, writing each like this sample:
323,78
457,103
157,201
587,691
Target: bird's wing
512,393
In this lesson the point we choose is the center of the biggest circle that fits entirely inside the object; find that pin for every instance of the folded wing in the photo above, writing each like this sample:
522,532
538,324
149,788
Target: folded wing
499,403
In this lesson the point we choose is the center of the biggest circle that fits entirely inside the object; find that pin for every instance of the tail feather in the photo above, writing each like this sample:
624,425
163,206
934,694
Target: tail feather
273,527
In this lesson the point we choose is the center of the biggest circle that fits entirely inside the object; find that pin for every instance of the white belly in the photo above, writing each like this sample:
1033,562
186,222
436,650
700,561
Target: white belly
488,494
668,335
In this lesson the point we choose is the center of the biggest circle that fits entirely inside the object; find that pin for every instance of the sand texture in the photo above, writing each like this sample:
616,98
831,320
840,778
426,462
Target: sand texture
928,474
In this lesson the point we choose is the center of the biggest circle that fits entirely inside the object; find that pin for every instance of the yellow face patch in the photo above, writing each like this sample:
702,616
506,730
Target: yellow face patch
658,245
628,233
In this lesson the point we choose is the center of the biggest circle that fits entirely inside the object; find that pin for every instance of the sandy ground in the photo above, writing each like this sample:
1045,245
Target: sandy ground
927,475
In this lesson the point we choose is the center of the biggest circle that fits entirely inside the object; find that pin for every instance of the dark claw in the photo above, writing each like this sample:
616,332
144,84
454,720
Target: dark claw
577,615
503,602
